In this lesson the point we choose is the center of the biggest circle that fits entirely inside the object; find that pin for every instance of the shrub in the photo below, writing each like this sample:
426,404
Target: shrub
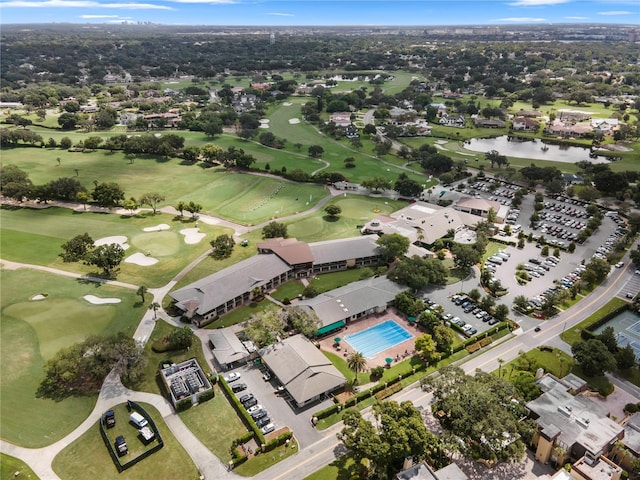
387,392
377,372
474,347
327,412
606,389
203,397
184,404
631,408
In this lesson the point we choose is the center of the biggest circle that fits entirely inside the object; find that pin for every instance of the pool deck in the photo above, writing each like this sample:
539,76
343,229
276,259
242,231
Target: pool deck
395,352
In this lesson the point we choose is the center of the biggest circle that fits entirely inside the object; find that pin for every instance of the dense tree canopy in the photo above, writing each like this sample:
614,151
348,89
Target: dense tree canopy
392,246
416,272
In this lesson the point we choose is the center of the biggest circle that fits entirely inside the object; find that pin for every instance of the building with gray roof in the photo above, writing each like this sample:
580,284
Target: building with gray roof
350,302
422,471
304,371
228,351
570,426
333,255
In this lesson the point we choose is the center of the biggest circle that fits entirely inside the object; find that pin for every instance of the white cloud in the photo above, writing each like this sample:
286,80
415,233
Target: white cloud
81,4
536,3
577,18
522,19
277,14
616,12
99,16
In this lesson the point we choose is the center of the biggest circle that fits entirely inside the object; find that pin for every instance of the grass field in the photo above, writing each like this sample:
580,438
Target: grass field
33,331
12,468
36,235
172,461
215,423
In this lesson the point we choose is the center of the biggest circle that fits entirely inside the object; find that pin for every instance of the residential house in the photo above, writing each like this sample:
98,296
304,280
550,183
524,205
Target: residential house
528,113
489,123
167,119
341,119
570,426
524,124
605,126
481,208
452,120
244,102
572,115
568,129
302,369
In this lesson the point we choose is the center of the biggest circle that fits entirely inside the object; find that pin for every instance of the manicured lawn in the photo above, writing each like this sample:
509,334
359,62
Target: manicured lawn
343,468
215,423
10,466
572,335
88,457
340,363
329,281
33,331
553,361
151,380
289,290
265,460
491,249
23,240
241,314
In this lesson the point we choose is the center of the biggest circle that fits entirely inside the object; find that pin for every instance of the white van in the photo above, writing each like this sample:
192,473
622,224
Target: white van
516,229
138,420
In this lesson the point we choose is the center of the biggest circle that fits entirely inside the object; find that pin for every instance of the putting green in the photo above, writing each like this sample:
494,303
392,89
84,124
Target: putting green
159,244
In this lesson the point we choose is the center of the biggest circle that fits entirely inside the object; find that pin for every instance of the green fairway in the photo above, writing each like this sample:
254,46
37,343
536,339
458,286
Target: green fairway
23,240
33,331
172,461
12,468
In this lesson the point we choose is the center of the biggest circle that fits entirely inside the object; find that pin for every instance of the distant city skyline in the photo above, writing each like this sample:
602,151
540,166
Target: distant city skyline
322,12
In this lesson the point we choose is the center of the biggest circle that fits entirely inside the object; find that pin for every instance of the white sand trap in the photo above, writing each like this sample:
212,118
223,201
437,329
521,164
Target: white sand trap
38,297
440,142
294,121
264,120
141,259
119,239
192,235
264,125
100,301
157,228
287,104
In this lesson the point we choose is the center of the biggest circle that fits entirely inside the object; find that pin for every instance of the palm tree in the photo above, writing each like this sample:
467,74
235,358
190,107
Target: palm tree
141,291
500,362
356,362
155,306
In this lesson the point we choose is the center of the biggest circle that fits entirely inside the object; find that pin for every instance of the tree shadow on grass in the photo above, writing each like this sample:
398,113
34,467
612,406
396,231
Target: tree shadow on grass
329,218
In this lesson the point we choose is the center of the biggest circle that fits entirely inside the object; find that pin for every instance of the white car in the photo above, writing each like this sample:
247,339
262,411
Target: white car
268,428
619,264
255,408
232,377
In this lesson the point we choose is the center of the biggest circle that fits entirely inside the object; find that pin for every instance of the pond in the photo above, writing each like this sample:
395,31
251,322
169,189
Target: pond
532,148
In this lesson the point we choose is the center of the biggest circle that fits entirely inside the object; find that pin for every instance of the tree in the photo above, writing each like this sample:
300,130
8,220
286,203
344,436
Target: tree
501,311
369,129
181,207
265,328
427,347
152,199
67,121
494,157
625,357
379,447
106,257
81,368
131,205
302,321
333,211
356,363
193,208
477,413
444,337
211,153
428,320
593,357
392,246
108,194
315,151
142,290
75,249
83,197
274,230
465,256
474,295
155,306
407,187
376,184
222,246
14,182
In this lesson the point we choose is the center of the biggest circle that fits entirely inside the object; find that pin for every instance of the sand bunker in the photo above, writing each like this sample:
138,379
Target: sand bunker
192,235
264,125
100,301
141,259
38,297
264,120
157,228
119,239
287,104
294,121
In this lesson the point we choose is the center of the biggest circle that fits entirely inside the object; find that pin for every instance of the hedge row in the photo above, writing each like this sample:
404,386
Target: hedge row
203,397
276,442
248,421
587,333
184,404
503,242
387,392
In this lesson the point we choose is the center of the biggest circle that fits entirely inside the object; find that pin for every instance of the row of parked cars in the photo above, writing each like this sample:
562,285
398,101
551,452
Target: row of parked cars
469,306
248,400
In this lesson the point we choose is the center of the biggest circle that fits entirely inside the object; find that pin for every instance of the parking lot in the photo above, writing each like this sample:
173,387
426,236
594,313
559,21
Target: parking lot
280,412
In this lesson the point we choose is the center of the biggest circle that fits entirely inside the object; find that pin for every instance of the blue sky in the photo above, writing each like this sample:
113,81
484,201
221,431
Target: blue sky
322,12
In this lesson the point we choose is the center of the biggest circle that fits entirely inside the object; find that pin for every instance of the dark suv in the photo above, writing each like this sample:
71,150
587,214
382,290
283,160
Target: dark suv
246,397
238,387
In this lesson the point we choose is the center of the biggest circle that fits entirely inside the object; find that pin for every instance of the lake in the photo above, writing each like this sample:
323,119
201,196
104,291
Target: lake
533,148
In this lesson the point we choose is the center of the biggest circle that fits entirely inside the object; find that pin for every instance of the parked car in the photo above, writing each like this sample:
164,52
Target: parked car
110,418
250,403
268,428
121,445
246,397
266,376
232,377
254,408
259,414
263,421
238,387
619,264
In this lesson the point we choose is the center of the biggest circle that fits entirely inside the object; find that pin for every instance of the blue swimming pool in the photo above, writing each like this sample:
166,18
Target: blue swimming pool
377,339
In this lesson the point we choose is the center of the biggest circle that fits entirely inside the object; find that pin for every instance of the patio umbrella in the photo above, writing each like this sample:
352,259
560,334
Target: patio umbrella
412,319
337,339
389,361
